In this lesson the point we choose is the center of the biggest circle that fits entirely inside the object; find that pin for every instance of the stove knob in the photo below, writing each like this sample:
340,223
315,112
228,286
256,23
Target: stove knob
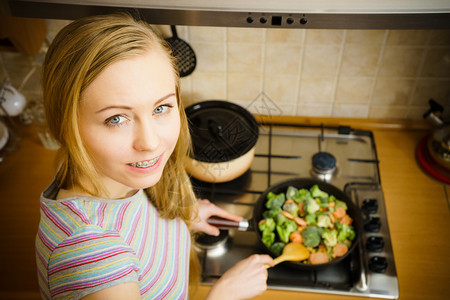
373,225
375,244
378,264
370,206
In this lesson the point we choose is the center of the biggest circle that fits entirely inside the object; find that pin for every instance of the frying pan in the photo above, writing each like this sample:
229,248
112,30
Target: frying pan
281,187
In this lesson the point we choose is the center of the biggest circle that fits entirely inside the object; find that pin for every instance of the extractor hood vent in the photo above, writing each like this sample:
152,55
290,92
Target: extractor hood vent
342,14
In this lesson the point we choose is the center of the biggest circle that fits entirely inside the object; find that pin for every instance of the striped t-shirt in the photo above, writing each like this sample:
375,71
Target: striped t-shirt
85,244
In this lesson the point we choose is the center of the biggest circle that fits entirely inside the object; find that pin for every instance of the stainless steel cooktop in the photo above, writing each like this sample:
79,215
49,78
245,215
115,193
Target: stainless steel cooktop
284,152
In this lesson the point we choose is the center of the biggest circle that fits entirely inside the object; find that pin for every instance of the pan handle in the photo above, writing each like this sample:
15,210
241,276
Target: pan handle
228,224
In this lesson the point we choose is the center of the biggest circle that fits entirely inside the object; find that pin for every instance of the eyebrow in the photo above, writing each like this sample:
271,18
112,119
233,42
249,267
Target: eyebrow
129,108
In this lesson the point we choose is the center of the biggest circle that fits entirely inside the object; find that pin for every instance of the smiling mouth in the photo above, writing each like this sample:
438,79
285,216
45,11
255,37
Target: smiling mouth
145,163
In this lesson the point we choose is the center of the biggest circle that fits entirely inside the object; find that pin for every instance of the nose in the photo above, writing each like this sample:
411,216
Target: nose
146,136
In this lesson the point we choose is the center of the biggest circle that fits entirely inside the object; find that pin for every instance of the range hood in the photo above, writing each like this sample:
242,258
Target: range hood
331,14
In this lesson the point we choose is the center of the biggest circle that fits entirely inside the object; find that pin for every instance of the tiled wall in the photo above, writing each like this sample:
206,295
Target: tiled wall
328,73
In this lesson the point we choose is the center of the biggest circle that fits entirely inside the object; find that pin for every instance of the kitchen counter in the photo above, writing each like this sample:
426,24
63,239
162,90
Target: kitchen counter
417,208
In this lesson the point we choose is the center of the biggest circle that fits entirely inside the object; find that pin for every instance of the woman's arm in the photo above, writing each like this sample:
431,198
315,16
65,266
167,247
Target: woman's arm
128,290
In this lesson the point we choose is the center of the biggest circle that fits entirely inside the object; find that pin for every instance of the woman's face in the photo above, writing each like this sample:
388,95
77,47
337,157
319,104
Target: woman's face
129,122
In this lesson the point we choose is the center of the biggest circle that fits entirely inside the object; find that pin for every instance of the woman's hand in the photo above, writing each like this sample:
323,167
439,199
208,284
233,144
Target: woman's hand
205,210
247,279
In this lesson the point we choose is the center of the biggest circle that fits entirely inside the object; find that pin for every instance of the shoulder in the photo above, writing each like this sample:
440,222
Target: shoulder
90,260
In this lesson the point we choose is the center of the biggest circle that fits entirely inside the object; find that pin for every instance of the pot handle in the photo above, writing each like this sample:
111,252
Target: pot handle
228,224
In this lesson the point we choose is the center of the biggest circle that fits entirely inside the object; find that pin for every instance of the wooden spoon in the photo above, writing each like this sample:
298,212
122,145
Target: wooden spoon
292,252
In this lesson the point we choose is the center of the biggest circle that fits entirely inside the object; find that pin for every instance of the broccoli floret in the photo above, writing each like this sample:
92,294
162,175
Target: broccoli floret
318,193
291,207
280,218
285,229
324,221
266,225
291,192
311,236
330,238
271,213
340,204
303,195
345,232
311,219
268,238
277,247
311,206
274,200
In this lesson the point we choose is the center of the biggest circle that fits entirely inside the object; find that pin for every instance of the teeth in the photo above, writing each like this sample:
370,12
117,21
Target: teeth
145,164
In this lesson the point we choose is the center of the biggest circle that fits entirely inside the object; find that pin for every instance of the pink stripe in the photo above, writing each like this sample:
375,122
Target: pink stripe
75,210
173,279
52,217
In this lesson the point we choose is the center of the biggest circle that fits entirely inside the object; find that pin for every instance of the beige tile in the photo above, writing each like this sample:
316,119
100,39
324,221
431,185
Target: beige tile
243,87
287,36
207,34
365,37
320,61
407,37
324,36
282,59
17,66
353,90
416,112
425,89
186,90
388,112
350,111
437,63
210,56
314,109
400,61
392,91
360,60
263,104
245,35
317,90
209,86
440,37
54,26
281,88
244,57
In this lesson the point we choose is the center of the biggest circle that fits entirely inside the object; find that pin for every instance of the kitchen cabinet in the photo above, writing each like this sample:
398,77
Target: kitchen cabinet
417,208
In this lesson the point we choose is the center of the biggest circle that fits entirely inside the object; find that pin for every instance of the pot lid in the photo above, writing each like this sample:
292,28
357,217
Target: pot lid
221,131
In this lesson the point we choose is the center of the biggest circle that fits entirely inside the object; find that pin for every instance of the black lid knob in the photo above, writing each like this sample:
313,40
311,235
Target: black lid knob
370,206
378,264
373,225
375,244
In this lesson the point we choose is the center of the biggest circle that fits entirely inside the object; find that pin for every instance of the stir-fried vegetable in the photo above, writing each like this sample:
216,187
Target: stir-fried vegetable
311,217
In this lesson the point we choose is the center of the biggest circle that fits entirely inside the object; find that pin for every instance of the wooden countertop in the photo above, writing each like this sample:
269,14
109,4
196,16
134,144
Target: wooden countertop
417,207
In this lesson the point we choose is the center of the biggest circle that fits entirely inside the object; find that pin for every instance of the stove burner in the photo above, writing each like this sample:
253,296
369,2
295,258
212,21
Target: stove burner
215,245
324,164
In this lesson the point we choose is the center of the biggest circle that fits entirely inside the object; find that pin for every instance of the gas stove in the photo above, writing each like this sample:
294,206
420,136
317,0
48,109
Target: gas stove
339,155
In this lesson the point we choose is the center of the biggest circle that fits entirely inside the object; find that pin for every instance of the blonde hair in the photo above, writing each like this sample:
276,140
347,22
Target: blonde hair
78,54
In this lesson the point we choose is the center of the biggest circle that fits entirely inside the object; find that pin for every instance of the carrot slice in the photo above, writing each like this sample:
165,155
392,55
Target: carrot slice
346,220
332,218
287,215
300,222
296,237
339,212
339,250
318,258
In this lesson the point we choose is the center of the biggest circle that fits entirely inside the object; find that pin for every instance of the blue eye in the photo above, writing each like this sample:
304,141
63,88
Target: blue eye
161,109
115,120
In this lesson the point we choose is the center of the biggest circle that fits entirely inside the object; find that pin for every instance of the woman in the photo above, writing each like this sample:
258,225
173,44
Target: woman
115,222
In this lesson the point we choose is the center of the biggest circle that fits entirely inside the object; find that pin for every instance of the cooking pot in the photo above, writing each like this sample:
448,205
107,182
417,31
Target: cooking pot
281,187
224,136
